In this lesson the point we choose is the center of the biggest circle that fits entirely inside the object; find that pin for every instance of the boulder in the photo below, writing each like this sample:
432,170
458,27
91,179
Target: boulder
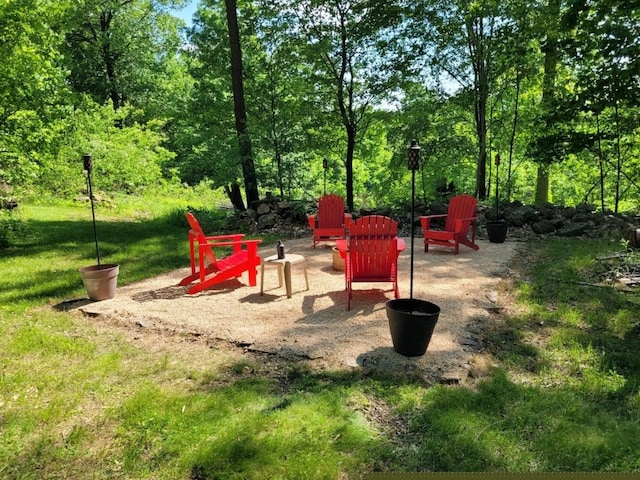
573,229
263,208
267,221
8,203
517,216
543,227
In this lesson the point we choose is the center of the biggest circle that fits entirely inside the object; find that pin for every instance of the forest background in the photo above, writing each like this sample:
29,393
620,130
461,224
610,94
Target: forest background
323,93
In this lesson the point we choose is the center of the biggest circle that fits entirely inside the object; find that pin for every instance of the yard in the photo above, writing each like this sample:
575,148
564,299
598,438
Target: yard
122,396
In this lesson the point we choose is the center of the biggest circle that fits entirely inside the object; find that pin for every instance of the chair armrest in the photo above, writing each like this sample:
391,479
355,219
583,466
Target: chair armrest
232,243
461,221
233,236
312,221
252,245
425,220
347,220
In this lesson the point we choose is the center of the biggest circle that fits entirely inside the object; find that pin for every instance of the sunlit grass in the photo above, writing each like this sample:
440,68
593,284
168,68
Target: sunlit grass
243,430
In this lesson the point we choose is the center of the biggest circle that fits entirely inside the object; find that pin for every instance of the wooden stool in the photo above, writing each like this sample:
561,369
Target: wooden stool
284,269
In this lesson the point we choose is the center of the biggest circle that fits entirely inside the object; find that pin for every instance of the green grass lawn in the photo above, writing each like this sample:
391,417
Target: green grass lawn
81,398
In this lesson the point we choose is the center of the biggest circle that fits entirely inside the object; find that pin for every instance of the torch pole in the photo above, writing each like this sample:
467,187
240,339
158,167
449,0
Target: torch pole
325,165
497,161
413,164
88,166
413,202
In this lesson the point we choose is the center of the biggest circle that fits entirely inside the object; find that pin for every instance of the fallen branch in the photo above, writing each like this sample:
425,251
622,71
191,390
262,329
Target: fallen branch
610,256
587,284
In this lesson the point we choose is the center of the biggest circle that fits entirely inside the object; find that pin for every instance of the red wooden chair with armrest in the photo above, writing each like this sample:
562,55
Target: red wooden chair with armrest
331,223
372,255
460,219
207,270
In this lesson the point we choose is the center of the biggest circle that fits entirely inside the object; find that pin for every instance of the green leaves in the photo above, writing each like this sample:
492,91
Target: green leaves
119,50
28,72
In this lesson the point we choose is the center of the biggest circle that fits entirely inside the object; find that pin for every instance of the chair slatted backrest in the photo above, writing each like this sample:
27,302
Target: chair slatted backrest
374,226
460,206
373,258
373,248
197,231
330,211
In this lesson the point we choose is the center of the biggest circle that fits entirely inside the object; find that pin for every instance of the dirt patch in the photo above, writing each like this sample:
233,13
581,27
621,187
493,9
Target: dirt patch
314,324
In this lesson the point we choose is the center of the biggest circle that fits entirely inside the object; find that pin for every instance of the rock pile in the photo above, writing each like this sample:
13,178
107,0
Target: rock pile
557,220
272,214
525,221
7,200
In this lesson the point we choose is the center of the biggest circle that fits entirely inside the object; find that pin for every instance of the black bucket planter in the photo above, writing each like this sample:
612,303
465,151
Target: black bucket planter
411,322
497,231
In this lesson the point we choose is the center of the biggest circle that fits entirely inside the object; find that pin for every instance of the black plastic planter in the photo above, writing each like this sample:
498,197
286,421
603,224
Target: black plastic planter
497,231
411,322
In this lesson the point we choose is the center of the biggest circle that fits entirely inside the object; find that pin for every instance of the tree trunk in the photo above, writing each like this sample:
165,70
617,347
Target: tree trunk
343,76
235,196
482,154
279,167
109,61
618,156
542,185
600,162
351,146
244,141
477,51
548,93
514,126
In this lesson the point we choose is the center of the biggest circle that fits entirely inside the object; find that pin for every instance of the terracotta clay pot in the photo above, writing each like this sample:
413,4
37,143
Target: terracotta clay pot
338,261
100,281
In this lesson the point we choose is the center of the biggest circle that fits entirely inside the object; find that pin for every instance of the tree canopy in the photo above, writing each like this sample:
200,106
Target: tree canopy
329,89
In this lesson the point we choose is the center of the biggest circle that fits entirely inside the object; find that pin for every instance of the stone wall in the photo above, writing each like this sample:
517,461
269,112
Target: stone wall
525,221
553,220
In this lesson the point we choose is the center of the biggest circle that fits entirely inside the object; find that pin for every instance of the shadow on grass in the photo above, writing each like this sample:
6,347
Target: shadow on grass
565,398
504,426
44,263
262,419
275,410
579,317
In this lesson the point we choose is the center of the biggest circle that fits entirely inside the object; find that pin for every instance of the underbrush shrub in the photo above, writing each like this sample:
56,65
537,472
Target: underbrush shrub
128,157
213,221
10,226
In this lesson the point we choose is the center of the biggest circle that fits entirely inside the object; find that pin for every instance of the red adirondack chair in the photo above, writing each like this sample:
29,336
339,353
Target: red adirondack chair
207,270
460,218
331,223
372,254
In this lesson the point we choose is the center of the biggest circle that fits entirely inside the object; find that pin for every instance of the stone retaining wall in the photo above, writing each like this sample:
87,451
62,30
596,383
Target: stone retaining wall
525,221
